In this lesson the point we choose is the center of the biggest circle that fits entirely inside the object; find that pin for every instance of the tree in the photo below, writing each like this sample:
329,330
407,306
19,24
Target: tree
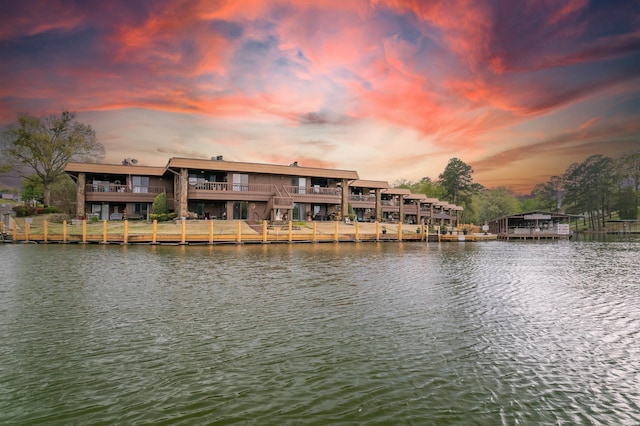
457,182
547,195
629,185
45,145
64,195
32,189
425,186
589,186
496,202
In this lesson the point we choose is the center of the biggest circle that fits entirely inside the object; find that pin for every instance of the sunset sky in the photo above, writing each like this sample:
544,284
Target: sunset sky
519,90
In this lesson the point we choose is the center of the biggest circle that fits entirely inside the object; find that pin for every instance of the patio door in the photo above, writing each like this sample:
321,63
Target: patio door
299,185
101,211
299,210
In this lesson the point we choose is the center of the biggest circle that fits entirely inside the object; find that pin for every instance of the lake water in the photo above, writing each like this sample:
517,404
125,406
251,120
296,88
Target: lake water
351,333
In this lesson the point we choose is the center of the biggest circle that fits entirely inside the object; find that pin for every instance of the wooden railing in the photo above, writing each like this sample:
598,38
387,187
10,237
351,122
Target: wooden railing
268,188
228,186
358,197
112,187
313,190
282,198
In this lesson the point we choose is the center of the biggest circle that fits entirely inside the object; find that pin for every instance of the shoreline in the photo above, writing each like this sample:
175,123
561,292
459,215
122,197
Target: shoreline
203,232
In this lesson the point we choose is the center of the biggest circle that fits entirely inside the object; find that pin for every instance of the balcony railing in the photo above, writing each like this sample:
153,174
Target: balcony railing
313,190
124,188
358,197
229,186
265,188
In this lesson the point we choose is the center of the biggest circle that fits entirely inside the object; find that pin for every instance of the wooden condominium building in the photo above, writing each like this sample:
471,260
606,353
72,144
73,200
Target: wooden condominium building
220,189
375,201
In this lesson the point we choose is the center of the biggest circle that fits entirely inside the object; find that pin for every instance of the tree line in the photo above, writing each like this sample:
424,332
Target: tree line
596,188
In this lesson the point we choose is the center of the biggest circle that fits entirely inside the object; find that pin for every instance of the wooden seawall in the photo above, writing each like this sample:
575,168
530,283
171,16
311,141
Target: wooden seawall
221,232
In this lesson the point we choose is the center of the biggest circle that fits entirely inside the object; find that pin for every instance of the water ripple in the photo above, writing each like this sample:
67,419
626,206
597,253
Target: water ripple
495,333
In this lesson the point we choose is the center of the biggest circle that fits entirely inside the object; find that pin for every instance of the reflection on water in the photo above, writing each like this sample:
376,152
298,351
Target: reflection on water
363,333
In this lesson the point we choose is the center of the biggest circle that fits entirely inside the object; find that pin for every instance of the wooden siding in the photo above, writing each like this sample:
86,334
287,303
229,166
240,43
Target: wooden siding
114,169
370,184
273,169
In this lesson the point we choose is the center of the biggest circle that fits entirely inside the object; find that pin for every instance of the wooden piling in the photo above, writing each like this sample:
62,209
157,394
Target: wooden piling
264,231
315,229
154,230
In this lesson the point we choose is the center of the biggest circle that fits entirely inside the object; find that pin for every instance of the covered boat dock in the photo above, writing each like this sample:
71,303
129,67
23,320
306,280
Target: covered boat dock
537,225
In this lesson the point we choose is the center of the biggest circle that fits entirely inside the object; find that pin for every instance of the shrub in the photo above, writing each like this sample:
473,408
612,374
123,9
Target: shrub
23,211
162,217
52,209
160,205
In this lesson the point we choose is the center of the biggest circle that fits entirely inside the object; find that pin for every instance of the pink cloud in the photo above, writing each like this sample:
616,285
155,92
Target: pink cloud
567,9
459,74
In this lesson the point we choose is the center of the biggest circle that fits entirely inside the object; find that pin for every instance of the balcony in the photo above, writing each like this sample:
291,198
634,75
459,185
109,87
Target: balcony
359,201
282,195
122,193
314,194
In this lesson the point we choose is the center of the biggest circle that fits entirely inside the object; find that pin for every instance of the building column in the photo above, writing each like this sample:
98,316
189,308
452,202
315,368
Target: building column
431,221
378,204
344,208
80,194
401,209
183,185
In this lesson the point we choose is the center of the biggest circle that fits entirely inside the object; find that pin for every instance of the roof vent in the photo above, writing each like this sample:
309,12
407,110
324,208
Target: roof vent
218,158
129,161
294,164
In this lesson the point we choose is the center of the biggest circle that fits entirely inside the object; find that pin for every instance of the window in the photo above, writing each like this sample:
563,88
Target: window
299,210
240,209
140,184
300,185
240,182
101,211
141,209
100,185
